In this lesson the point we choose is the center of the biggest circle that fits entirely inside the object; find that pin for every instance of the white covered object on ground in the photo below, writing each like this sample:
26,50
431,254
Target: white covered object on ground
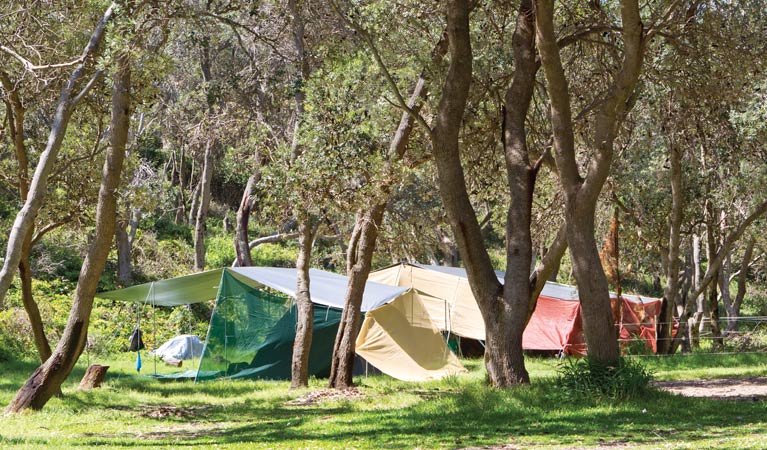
185,346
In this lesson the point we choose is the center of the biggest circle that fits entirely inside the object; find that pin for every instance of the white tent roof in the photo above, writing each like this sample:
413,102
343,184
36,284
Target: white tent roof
551,289
326,288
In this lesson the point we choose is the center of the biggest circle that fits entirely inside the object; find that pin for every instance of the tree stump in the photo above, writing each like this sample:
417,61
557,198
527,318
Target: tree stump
93,377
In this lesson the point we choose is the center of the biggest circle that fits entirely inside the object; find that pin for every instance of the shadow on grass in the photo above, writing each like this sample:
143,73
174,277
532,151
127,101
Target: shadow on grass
460,415
469,417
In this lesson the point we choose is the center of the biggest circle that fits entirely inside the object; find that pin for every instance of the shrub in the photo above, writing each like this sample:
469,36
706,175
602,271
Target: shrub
593,379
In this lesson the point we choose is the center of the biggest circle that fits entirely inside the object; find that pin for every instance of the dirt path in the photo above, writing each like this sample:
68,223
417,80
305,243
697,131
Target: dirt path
739,389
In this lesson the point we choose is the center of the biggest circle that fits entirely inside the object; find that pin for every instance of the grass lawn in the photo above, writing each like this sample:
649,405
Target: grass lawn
139,412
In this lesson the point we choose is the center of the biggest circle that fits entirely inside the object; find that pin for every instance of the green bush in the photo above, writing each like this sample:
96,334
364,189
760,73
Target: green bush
274,255
219,251
589,378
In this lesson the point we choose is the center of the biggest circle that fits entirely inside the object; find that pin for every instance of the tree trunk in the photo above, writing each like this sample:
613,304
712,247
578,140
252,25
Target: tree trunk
202,211
359,258
698,301
15,116
713,305
734,314
241,247
122,242
25,219
724,287
582,194
47,379
672,265
305,321
509,315
30,306
180,216
359,253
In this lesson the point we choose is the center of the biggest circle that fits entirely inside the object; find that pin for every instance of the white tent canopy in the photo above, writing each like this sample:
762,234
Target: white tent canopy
326,288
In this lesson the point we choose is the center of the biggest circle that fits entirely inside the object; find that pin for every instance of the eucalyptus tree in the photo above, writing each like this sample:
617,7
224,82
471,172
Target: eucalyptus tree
26,87
36,191
46,380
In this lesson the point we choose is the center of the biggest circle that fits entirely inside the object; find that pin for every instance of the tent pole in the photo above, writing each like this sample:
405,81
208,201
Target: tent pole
212,315
154,326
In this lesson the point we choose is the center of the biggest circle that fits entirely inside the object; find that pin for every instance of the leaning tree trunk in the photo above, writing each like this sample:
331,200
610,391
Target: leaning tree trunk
202,211
359,258
30,306
359,253
47,379
734,313
15,117
305,320
241,242
25,219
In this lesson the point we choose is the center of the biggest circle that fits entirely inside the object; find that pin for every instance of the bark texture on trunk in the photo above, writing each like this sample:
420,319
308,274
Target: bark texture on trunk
358,262
25,219
241,247
15,113
31,308
46,380
582,193
504,359
202,211
359,253
666,318
734,313
305,320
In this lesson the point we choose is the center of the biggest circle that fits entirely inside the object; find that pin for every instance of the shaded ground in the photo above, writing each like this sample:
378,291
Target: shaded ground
739,389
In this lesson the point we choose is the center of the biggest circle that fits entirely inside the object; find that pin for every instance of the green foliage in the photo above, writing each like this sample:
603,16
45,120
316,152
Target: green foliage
166,229
274,255
219,251
588,378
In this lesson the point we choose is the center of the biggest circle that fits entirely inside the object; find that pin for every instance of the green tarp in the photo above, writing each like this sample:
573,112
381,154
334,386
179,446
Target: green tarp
252,332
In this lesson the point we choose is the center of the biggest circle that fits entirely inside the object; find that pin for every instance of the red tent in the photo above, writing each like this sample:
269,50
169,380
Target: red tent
556,324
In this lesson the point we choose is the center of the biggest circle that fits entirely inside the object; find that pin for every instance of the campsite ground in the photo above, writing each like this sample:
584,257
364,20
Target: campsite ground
135,411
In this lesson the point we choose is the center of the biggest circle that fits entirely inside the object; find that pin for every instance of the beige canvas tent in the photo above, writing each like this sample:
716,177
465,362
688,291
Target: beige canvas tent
401,340
555,326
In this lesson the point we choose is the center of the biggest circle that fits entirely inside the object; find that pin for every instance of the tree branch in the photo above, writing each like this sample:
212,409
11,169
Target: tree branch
401,103
32,67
